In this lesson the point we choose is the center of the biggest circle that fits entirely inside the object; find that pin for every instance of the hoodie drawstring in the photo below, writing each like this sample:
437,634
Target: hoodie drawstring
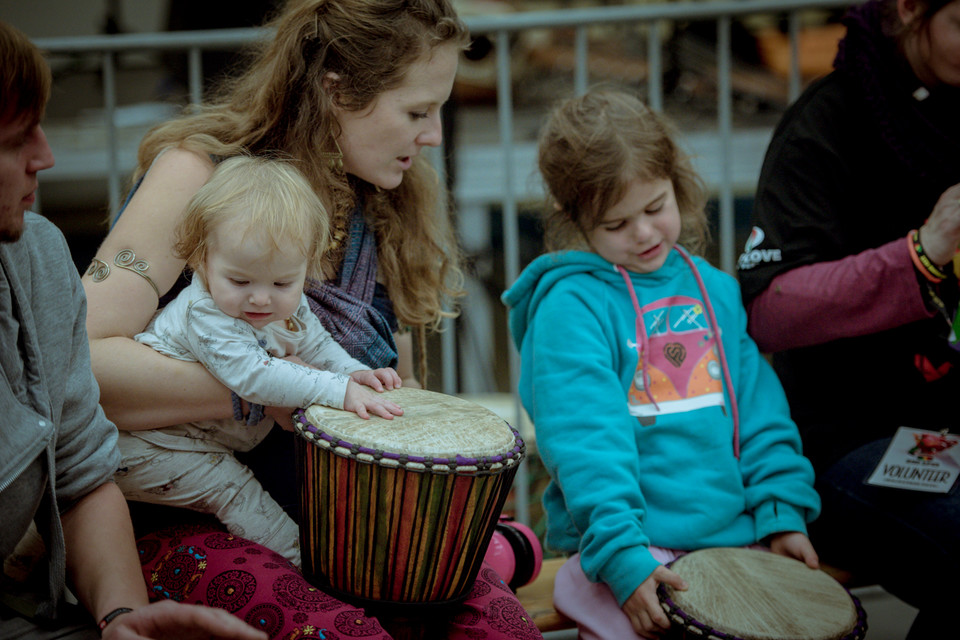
640,329
641,332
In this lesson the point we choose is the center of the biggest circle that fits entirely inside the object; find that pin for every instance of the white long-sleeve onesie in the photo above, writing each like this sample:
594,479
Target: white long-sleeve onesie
192,465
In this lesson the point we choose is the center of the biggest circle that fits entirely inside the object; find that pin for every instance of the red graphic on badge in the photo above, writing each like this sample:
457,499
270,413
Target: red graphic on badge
928,445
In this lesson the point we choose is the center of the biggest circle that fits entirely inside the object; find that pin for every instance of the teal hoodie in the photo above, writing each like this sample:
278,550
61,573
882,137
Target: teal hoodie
643,453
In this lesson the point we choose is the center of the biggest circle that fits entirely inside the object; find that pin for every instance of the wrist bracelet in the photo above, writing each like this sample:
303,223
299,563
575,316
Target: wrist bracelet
107,619
935,270
921,261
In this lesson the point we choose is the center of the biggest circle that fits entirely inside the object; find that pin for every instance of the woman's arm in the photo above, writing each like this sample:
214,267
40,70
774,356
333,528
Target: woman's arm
102,559
104,569
139,387
874,290
143,389
871,291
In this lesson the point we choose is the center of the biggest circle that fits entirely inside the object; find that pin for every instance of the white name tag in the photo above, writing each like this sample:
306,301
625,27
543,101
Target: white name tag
920,461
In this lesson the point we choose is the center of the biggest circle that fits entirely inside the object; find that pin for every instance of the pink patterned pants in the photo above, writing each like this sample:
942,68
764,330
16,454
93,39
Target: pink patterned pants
203,564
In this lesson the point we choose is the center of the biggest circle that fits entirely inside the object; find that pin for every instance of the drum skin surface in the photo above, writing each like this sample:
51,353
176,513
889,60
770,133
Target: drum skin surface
401,511
432,425
748,594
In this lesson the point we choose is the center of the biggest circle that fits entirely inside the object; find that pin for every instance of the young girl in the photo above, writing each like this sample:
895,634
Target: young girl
659,437
249,235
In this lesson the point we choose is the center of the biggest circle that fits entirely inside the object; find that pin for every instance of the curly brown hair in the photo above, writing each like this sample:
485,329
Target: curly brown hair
592,147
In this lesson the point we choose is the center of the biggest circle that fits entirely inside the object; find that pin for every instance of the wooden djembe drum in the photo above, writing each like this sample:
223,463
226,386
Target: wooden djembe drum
396,515
750,594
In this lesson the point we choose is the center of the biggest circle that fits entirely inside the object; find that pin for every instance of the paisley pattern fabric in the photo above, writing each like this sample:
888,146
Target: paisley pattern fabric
203,564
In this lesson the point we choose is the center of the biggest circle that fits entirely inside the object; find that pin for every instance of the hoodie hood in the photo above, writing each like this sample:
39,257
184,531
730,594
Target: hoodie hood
537,280
542,274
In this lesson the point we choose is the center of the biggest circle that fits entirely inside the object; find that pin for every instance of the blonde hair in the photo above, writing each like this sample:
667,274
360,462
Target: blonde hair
269,196
592,147
280,105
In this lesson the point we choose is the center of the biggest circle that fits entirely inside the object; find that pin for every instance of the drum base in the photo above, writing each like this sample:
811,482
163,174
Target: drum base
431,625
402,620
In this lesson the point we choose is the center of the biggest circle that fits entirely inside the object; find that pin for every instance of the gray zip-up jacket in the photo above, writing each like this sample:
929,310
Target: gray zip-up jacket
56,445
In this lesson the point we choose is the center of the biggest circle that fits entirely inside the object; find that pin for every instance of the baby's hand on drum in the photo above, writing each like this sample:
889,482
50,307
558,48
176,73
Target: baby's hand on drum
643,606
363,402
383,379
794,544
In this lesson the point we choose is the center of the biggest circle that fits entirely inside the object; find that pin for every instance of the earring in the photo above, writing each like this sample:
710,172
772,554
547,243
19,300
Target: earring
335,158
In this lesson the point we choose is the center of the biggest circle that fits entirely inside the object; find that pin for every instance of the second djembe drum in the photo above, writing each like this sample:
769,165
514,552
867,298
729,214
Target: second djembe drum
750,594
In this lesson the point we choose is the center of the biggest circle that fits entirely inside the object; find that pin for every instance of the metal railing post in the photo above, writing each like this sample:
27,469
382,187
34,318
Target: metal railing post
793,28
511,246
581,70
195,74
654,66
110,120
725,127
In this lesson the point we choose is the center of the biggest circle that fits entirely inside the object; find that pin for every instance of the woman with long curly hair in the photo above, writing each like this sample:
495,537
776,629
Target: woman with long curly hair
350,92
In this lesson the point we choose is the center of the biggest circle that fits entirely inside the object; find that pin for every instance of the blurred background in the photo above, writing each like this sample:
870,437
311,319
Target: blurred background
151,85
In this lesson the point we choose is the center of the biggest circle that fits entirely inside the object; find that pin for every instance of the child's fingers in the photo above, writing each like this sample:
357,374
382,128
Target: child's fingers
648,626
380,410
808,556
671,578
394,408
657,616
389,378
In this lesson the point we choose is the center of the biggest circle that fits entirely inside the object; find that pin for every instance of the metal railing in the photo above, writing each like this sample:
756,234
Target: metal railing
499,28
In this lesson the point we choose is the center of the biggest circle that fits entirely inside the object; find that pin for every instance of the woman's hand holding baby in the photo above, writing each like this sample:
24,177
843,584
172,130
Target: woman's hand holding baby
643,606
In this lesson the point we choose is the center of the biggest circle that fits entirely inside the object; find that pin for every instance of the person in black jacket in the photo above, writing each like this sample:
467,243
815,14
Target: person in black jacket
848,280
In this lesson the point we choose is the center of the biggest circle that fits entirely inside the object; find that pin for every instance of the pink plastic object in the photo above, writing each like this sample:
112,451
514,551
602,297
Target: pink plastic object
515,553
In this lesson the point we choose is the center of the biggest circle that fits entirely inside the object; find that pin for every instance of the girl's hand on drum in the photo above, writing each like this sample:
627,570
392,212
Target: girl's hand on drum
940,235
794,544
643,606
384,379
363,402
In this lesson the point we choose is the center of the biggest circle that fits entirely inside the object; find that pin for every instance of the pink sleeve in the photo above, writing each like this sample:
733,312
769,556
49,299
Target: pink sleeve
858,295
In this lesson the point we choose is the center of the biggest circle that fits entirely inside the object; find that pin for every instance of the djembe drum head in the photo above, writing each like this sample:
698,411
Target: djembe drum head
749,594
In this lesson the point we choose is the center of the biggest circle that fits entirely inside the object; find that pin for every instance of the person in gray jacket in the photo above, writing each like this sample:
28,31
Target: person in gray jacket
57,449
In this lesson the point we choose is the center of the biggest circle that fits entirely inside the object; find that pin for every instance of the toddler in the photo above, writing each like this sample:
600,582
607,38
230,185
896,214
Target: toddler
251,235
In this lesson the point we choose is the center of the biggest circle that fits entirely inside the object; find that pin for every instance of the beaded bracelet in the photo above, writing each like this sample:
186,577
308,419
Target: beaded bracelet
925,260
107,619
920,260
